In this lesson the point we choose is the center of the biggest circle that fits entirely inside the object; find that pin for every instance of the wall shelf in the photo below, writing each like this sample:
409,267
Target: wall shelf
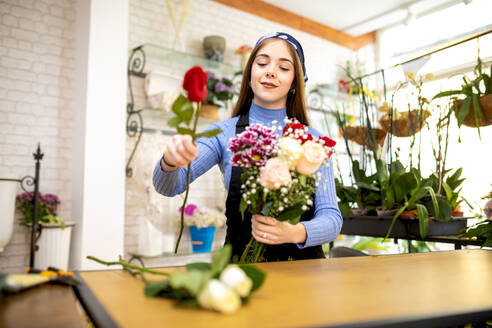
173,64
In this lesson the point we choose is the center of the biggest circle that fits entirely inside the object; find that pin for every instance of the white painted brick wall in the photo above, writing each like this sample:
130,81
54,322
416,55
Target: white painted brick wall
36,74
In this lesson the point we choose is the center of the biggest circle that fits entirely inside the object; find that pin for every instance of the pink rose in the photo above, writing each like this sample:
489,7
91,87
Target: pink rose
314,154
274,174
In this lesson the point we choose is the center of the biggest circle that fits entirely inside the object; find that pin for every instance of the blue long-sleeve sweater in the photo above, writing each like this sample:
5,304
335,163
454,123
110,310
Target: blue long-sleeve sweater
327,221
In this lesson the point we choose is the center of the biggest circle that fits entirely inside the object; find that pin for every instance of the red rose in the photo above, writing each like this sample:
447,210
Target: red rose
195,82
328,142
294,127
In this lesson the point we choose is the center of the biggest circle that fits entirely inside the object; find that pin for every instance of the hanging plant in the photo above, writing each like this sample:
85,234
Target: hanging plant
475,110
405,124
361,135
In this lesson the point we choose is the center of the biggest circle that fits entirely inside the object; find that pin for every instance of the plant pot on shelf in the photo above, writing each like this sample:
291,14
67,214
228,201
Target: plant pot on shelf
8,188
202,238
210,111
214,47
485,108
54,246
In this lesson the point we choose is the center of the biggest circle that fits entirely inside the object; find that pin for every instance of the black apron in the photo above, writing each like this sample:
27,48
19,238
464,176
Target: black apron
238,232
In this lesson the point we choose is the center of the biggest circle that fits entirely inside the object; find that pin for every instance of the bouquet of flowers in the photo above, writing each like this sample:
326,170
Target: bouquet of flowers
203,217
281,173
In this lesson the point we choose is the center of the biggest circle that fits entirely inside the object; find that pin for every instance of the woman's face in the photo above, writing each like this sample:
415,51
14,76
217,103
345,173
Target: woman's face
272,74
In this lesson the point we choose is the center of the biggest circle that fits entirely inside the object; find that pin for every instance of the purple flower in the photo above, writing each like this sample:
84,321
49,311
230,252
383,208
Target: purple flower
189,209
210,75
220,87
253,147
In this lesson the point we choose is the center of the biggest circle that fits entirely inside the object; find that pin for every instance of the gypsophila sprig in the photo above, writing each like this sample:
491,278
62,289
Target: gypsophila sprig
280,175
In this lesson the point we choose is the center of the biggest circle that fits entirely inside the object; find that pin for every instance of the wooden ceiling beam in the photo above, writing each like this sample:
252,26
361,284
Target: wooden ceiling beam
287,18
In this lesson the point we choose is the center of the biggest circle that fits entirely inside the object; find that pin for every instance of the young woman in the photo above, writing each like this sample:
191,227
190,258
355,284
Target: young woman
272,88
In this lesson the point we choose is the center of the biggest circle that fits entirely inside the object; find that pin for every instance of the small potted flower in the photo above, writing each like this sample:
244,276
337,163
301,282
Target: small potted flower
220,91
55,231
202,223
245,52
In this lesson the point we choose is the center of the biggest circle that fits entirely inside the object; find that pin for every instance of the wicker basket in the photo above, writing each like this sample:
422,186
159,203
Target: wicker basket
407,124
361,136
485,108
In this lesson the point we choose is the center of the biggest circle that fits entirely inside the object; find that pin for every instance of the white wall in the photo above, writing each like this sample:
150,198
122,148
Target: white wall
36,84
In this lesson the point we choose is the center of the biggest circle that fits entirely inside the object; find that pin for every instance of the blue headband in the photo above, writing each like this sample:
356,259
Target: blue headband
292,41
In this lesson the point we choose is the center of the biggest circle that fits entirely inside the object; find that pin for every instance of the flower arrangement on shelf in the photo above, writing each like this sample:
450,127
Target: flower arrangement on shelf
217,286
203,217
220,90
245,51
47,208
281,173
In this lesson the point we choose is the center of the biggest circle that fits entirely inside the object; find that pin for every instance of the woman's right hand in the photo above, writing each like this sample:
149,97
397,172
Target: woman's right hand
179,152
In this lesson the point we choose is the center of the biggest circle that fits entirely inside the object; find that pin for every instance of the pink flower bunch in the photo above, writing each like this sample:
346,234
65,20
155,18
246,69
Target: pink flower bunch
253,146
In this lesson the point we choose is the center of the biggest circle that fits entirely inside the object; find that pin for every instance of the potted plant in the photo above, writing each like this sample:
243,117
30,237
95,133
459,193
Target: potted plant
202,224
475,109
220,90
244,51
55,232
483,229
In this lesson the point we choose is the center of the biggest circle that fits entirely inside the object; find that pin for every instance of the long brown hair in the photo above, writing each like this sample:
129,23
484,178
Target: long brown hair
295,105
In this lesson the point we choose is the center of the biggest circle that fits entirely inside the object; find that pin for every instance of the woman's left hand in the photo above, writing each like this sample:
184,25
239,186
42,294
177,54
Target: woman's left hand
270,231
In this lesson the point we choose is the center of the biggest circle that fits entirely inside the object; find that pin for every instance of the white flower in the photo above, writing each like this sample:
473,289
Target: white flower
206,217
217,296
304,208
280,208
235,278
290,151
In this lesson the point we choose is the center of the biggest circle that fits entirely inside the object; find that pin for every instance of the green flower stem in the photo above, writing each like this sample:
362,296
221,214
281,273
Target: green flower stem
127,266
199,106
245,252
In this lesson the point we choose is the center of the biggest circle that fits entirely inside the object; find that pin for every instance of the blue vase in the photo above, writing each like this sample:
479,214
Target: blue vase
202,239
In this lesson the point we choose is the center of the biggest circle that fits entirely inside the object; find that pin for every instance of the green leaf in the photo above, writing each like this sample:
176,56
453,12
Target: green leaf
256,275
291,213
344,208
266,208
191,281
180,105
174,121
187,114
220,259
448,93
445,211
208,134
403,208
156,288
463,111
434,200
242,207
478,112
423,220
185,131
200,266
367,186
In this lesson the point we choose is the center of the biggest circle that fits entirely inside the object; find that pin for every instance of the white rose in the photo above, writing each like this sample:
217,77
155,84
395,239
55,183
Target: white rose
290,151
217,296
236,279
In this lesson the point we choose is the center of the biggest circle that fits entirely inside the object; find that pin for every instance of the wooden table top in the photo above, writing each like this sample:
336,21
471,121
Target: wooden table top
367,291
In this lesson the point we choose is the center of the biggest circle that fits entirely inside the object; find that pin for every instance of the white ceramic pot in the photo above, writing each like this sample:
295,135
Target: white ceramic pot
54,246
7,204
